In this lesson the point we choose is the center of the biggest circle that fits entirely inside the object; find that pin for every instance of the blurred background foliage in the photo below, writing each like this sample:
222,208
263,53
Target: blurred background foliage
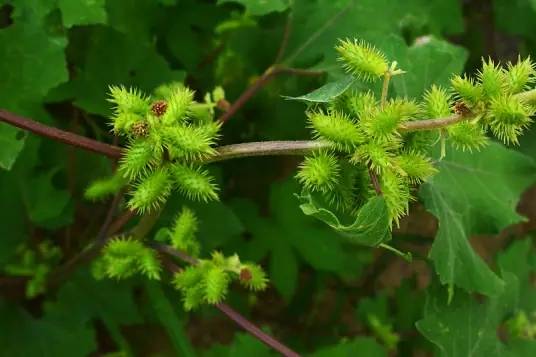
57,59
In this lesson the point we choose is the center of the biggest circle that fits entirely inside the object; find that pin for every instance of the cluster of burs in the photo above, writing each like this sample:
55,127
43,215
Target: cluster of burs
368,136
169,136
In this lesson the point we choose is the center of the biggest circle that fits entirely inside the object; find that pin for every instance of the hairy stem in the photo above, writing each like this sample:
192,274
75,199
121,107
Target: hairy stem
267,148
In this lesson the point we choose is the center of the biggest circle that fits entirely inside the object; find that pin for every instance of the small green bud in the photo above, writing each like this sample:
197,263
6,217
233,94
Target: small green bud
361,59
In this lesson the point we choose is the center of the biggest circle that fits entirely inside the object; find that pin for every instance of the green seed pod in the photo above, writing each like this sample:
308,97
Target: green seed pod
195,183
151,191
216,283
191,142
336,128
382,124
416,166
183,233
140,158
361,59
467,136
395,190
188,278
253,277
378,156
178,105
466,90
520,75
508,117
319,172
437,102
129,100
105,187
360,104
492,79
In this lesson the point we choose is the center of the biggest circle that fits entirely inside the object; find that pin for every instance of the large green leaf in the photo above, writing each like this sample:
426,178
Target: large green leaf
465,327
288,234
32,63
474,193
370,228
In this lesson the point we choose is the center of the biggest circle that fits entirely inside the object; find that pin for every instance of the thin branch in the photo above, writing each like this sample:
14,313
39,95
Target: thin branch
267,148
60,135
430,124
93,250
234,315
284,40
264,79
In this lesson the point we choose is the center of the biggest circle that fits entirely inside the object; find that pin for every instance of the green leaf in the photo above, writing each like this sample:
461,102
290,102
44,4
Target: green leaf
11,142
518,260
370,228
82,12
317,25
23,335
32,63
360,346
465,327
429,61
287,235
167,316
47,205
474,193
327,92
143,67
260,7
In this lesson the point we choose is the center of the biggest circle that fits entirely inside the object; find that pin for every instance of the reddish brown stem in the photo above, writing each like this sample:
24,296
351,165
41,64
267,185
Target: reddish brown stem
60,135
234,315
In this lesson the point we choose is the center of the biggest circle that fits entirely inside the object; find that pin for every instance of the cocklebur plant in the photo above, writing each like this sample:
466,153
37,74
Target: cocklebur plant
370,148
168,136
205,282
